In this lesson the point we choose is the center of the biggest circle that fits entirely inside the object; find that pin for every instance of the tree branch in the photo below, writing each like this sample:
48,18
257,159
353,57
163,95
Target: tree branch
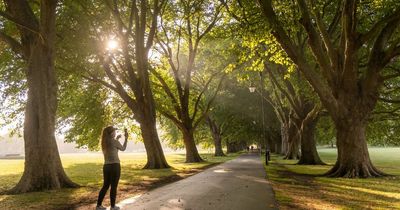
210,102
15,46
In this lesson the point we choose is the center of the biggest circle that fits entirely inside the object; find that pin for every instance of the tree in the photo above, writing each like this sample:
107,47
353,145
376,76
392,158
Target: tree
124,67
184,25
34,43
352,51
306,113
291,97
216,132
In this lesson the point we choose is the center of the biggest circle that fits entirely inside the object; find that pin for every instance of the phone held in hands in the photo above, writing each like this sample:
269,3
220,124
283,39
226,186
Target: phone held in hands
126,132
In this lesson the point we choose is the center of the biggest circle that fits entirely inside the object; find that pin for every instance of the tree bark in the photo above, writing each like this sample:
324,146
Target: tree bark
353,157
43,169
192,155
293,138
285,139
309,154
155,154
218,145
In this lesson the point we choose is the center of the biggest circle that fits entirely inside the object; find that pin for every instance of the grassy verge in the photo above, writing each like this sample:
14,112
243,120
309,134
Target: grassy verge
302,187
86,170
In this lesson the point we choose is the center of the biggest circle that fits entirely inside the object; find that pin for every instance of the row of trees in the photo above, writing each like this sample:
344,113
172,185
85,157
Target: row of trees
346,51
58,53
188,63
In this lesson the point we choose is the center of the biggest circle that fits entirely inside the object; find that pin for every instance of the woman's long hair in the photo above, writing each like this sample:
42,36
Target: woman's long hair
106,138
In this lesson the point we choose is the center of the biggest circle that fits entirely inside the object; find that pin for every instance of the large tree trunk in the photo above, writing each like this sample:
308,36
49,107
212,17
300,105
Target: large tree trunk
43,168
192,155
353,157
145,99
155,154
309,154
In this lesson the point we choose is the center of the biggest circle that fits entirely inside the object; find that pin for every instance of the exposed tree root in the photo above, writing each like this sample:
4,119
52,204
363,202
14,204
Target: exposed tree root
156,165
355,171
30,184
308,162
194,160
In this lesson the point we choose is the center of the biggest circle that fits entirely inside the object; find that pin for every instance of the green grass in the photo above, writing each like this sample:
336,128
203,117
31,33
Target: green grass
86,170
303,187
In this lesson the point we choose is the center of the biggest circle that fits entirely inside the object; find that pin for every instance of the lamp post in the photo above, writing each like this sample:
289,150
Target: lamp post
252,89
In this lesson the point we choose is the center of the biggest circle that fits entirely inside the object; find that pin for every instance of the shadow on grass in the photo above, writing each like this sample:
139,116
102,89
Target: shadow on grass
299,190
8,181
133,180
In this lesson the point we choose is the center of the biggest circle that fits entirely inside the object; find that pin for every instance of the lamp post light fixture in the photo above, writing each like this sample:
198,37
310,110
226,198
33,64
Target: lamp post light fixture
252,89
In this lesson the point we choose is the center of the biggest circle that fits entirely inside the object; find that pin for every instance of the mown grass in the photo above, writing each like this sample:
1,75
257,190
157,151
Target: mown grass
86,170
303,187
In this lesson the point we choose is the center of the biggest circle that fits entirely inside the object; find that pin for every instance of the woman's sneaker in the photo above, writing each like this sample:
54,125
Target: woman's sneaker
100,208
115,208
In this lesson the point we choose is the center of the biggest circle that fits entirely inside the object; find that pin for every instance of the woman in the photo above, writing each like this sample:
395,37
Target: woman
111,168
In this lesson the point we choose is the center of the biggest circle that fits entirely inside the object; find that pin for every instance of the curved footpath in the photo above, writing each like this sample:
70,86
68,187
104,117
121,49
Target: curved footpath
239,184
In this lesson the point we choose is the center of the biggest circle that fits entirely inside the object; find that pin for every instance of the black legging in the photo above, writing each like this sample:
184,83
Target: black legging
111,174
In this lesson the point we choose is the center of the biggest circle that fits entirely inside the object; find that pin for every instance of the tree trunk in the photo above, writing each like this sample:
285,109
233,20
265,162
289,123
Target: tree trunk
278,143
155,154
271,143
285,139
218,145
43,168
216,134
145,99
192,155
293,139
233,147
353,157
309,154
230,147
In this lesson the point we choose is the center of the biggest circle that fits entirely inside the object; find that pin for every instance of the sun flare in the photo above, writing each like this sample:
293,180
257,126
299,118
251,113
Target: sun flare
112,44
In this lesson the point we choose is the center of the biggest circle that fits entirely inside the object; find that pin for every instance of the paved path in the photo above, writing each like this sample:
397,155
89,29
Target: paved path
238,184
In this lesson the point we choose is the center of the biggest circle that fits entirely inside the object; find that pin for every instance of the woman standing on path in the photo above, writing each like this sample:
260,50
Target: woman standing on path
111,168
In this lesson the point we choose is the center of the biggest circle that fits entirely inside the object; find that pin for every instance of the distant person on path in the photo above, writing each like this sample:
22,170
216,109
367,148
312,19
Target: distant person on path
111,168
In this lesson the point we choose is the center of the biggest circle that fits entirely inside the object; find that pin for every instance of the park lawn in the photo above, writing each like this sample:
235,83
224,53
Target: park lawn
303,187
86,170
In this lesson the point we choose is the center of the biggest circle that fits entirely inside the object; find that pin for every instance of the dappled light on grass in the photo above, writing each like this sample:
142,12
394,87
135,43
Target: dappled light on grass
86,170
395,195
303,187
